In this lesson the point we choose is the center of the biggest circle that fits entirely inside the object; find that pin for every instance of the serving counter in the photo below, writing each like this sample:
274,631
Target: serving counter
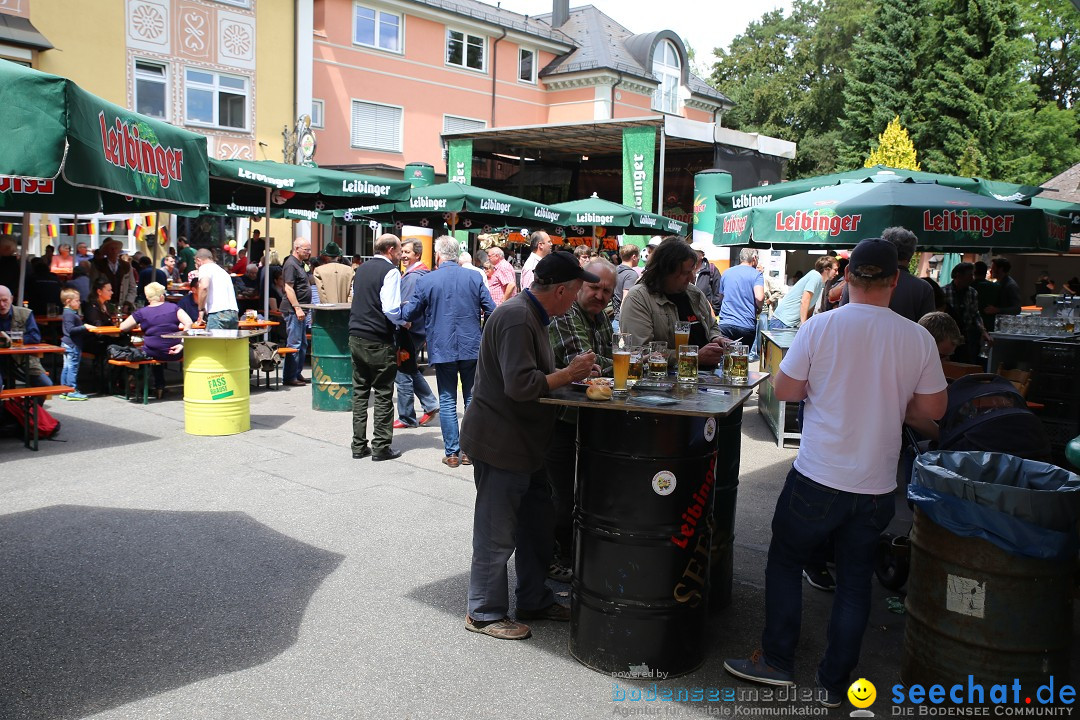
780,416
654,519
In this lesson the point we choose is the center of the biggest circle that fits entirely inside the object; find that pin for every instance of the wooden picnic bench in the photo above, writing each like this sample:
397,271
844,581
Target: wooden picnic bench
27,396
138,371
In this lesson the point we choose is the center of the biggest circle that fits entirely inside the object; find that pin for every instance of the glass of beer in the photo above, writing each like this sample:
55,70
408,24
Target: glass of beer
634,372
688,365
658,360
682,333
739,370
620,354
16,338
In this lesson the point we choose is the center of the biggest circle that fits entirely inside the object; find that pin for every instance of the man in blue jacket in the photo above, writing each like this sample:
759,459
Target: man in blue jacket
450,299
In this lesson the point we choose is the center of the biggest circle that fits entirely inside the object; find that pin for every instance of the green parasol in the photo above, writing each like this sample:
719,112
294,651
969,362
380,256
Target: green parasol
750,197
595,212
244,182
839,216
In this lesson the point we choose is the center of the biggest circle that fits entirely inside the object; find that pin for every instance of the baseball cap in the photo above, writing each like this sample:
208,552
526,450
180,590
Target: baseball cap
877,255
559,267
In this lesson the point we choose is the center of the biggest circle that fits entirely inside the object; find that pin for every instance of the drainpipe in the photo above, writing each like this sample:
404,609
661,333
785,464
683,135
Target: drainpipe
494,73
617,84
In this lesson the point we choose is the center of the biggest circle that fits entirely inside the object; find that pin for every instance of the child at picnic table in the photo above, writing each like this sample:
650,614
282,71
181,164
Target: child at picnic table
74,335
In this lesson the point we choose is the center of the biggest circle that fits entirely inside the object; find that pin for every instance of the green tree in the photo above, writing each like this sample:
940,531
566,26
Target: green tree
880,76
1053,65
894,148
971,85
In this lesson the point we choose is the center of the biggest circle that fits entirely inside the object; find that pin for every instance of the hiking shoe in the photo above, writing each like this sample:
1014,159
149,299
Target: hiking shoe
559,572
75,396
827,698
505,629
555,611
426,417
820,578
757,670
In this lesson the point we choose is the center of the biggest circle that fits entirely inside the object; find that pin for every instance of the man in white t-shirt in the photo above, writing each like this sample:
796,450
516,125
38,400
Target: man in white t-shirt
540,244
862,369
217,298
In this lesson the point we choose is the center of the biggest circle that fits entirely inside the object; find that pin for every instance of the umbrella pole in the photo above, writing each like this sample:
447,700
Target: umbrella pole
154,251
266,261
22,257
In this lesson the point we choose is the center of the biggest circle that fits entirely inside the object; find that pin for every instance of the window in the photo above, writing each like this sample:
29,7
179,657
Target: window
317,113
454,124
465,50
526,65
151,89
376,28
214,99
667,68
376,127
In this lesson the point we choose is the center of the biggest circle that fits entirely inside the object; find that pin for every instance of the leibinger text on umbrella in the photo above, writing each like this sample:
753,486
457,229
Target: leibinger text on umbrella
545,214
734,225
593,218
499,207
800,221
28,186
963,221
363,186
743,201
245,174
426,203
253,209
123,147
646,220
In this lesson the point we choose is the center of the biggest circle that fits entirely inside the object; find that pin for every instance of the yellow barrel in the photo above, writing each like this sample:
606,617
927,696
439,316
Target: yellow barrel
216,392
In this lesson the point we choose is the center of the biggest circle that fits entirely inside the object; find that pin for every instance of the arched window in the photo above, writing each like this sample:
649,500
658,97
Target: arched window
667,68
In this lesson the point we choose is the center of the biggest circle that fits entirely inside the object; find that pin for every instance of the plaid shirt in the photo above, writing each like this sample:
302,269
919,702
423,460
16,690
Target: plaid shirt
966,313
575,332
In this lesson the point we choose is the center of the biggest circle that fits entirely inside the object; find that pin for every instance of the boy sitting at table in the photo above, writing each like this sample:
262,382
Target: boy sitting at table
74,334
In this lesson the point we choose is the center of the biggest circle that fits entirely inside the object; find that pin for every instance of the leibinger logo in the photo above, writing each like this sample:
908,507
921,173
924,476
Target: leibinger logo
28,186
253,209
545,214
279,183
135,146
491,204
426,203
802,221
734,224
363,186
1051,699
588,217
963,221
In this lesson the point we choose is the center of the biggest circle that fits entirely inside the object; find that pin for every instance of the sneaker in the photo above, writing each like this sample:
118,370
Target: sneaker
555,611
75,396
819,577
559,572
62,396
827,698
505,629
756,670
426,417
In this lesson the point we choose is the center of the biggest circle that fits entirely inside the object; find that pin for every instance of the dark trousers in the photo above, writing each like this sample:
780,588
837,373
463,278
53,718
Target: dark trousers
807,514
560,461
742,334
374,369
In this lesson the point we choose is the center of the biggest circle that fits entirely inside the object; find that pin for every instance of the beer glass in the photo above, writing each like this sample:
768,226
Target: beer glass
688,365
634,372
16,338
620,354
658,360
739,373
682,334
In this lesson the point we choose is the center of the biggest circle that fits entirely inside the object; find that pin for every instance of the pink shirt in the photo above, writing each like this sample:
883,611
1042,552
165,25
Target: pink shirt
500,279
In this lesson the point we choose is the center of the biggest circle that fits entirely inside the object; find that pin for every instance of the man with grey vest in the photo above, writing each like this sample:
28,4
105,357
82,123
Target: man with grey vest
376,308
19,319
505,432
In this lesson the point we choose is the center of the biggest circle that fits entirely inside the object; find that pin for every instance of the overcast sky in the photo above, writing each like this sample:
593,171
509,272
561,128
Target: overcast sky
705,25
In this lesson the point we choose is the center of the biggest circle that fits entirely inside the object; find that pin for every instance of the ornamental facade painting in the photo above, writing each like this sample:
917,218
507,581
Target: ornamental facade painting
15,7
236,40
148,25
195,31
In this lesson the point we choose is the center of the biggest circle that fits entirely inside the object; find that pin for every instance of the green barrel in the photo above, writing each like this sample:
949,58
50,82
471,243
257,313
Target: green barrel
331,362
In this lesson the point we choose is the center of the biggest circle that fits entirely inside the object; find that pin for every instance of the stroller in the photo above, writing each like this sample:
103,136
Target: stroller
985,413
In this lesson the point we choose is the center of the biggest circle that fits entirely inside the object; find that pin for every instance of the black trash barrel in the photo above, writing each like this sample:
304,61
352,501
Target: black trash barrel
729,446
643,502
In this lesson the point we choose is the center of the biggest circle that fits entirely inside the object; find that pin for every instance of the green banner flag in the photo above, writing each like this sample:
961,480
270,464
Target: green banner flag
459,162
639,150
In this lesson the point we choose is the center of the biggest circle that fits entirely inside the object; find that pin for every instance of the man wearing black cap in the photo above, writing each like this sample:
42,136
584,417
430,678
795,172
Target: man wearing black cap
505,432
862,369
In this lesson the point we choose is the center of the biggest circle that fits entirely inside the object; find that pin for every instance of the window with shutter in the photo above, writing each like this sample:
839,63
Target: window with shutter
376,127
454,124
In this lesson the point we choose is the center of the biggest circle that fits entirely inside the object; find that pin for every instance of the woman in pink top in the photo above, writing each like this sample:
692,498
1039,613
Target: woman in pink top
64,262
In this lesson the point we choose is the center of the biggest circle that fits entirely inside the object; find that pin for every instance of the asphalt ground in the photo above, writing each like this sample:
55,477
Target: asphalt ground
146,573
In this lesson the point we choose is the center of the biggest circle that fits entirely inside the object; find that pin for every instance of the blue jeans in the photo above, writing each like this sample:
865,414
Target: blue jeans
446,374
408,386
72,358
297,339
742,334
806,515
223,320
513,516
775,324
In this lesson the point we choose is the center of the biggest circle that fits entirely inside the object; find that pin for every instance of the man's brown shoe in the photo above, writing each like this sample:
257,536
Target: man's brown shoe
555,611
451,461
505,629
465,459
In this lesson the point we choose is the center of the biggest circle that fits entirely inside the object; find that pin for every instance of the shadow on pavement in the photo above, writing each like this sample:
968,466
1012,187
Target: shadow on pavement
270,421
103,606
76,434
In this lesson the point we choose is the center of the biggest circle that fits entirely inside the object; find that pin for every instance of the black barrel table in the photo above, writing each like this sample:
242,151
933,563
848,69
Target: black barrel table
654,519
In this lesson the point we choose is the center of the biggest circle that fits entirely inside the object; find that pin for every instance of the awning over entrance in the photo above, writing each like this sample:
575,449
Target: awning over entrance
19,31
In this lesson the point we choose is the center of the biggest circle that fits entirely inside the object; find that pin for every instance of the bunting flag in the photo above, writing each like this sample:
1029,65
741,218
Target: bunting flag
8,227
163,236
148,221
110,227
51,230
139,232
74,229
91,228
129,225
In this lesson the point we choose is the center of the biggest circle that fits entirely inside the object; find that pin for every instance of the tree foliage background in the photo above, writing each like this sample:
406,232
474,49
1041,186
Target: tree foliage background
986,87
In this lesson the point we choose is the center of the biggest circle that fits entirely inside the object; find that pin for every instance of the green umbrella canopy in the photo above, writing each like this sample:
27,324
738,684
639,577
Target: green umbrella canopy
324,217
244,183
596,212
839,216
766,193
1062,220
86,149
476,204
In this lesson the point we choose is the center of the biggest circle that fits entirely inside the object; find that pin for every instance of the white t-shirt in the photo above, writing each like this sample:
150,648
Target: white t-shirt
862,364
220,295
527,270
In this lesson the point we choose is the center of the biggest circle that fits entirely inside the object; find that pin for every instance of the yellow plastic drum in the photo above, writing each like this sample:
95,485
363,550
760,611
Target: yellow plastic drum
216,392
